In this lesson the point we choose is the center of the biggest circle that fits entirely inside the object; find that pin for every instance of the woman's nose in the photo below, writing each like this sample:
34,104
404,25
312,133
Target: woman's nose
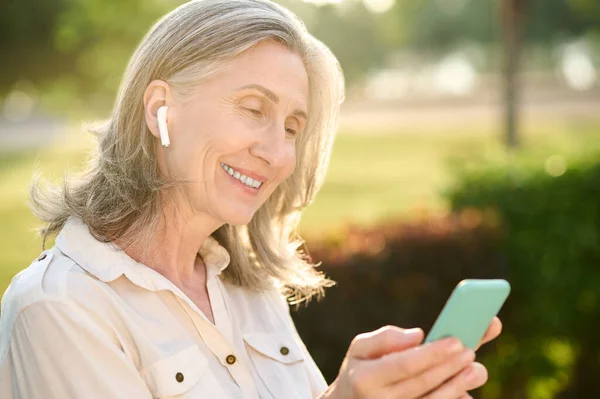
271,147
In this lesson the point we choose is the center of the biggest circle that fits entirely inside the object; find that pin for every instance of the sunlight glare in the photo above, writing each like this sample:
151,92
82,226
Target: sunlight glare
323,2
379,6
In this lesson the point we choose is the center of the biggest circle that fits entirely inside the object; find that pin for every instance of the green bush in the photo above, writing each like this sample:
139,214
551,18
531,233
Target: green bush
535,223
549,218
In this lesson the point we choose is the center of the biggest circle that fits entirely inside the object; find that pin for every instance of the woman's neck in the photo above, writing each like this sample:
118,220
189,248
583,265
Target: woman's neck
171,248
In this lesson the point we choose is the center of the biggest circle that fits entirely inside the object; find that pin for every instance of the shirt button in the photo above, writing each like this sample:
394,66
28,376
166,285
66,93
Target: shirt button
284,351
179,377
230,359
42,257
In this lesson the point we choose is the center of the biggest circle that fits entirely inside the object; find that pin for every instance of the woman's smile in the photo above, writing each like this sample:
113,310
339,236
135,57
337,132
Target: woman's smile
241,179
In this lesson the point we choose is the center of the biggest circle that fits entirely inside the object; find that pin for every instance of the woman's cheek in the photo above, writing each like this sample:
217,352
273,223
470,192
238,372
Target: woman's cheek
291,157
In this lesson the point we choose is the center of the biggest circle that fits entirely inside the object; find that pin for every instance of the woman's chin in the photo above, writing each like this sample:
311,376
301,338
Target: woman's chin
239,219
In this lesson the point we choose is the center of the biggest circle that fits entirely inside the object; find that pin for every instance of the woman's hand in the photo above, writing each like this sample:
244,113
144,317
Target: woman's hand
390,363
492,332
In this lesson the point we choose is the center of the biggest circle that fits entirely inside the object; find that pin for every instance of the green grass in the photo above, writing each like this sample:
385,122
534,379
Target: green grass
375,177
19,244
371,177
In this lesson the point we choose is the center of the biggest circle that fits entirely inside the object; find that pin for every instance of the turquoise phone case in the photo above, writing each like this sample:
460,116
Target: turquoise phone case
470,310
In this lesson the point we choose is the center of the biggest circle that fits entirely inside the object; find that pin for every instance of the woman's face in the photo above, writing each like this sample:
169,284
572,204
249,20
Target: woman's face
233,139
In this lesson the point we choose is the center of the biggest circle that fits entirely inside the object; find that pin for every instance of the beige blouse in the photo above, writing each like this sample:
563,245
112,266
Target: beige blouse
86,321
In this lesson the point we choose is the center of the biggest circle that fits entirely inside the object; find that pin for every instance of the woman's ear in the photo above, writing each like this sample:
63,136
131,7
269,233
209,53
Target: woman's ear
157,95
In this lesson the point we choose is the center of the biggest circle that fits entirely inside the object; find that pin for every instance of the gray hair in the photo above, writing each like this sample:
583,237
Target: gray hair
118,194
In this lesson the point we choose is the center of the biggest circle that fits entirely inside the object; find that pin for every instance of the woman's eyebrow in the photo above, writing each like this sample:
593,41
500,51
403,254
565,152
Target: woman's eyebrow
271,96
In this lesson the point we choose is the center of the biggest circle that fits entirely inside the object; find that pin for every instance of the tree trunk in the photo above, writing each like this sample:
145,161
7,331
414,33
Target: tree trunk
512,27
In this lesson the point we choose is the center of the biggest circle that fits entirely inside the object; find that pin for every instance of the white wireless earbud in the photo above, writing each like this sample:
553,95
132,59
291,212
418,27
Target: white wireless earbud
161,116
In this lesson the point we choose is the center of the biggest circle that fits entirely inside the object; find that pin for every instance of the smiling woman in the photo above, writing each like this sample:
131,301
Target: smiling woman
176,249
232,98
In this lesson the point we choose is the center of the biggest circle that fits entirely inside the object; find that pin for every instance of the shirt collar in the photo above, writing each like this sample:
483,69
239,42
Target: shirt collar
107,262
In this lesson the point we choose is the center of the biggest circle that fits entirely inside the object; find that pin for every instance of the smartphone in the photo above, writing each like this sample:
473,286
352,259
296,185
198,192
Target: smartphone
470,310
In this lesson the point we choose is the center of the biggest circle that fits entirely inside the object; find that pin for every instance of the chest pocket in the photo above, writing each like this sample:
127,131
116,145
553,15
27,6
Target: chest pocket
279,362
182,375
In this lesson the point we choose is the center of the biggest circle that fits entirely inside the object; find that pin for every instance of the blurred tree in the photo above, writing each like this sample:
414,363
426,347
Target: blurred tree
84,44
27,41
442,24
103,34
351,33
513,15
549,19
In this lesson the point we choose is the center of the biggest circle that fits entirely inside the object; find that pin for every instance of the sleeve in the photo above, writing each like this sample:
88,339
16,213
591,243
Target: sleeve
55,352
317,381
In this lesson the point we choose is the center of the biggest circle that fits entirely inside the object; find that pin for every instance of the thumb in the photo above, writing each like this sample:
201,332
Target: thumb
383,341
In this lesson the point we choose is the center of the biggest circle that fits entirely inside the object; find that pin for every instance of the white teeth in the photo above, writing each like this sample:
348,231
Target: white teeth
243,178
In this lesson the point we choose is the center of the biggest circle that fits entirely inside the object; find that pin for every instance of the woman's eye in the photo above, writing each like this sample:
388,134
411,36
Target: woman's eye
256,112
291,131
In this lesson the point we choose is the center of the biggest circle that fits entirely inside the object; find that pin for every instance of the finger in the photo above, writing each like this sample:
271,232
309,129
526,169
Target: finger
386,340
469,378
466,396
429,380
399,366
493,331
481,373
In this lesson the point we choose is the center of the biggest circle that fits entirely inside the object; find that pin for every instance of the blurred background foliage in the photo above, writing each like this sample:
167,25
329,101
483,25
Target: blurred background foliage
549,217
421,190
80,47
